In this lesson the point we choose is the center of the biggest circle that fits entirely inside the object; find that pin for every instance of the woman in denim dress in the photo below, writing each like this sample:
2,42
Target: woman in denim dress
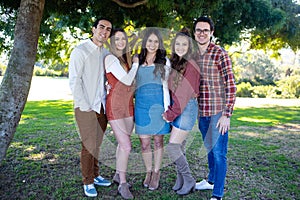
151,100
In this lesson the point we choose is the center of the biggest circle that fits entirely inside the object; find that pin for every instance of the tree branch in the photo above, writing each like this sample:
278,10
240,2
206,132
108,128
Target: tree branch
133,5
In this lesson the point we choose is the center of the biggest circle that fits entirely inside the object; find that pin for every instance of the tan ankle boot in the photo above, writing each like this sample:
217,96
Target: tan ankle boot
154,183
147,179
116,179
123,189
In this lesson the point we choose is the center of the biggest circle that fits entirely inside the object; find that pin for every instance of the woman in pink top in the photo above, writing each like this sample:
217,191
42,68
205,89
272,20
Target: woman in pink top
182,113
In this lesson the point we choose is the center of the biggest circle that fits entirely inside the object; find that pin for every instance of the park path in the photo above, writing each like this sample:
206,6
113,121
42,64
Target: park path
47,88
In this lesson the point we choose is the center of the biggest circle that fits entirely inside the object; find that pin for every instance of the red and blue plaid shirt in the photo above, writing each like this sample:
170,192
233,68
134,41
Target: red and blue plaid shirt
217,85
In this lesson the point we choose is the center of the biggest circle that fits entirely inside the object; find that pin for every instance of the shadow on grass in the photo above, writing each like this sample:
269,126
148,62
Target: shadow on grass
43,159
265,116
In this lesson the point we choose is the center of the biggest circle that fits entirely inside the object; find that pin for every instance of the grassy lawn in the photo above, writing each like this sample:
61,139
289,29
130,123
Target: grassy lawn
43,159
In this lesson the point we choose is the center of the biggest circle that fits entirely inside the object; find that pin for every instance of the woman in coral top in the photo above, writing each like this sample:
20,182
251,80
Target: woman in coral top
120,73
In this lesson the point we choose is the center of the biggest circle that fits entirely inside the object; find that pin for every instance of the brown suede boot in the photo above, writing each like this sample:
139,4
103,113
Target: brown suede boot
154,183
147,179
123,189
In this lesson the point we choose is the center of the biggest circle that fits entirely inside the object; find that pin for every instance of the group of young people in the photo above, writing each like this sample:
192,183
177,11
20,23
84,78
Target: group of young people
170,94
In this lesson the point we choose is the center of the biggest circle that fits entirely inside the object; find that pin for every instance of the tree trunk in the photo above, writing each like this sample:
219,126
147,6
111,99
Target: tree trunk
17,78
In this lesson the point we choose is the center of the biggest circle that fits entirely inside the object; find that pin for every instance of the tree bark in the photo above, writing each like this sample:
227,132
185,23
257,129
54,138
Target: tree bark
17,78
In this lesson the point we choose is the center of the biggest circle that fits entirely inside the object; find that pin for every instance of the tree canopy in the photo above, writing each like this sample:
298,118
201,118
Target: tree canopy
268,24
47,30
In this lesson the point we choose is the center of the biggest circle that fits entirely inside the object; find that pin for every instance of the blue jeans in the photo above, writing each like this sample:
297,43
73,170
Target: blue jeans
186,120
216,146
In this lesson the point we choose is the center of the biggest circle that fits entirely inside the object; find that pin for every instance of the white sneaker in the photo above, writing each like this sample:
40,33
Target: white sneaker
214,198
90,190
100,181
204,185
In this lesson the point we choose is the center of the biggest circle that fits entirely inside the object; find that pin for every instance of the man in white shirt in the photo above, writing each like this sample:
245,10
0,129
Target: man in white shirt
86,79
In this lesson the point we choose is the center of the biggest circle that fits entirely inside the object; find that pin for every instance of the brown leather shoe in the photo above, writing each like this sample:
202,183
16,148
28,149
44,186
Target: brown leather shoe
147,179
124,191
154,183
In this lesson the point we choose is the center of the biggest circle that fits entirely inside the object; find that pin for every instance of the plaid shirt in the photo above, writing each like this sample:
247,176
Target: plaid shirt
217,85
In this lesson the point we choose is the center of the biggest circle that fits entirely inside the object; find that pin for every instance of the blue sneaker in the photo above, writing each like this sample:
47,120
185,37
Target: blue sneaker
90,190
101,181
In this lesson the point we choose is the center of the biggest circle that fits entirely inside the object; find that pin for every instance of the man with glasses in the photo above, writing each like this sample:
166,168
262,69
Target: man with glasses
86,79
216,102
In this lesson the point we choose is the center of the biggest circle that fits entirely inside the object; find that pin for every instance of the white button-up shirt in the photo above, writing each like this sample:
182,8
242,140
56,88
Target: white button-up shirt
87,76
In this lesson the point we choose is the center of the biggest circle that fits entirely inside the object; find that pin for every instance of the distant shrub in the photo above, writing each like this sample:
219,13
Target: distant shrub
244,89
45,72
262,91
257,81
289,87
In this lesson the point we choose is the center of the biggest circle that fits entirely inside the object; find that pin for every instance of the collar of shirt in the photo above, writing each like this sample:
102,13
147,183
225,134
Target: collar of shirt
93,45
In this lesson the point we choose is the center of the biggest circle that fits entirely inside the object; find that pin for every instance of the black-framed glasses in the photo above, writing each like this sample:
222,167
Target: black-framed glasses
204,31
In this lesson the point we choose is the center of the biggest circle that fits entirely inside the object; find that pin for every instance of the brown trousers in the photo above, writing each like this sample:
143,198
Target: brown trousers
91,127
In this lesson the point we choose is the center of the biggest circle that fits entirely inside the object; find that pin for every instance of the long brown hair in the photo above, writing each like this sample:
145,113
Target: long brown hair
125,59
179,64
160,58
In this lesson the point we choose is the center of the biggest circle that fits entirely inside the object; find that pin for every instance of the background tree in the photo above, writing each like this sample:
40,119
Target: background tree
269,24
16,82
256,68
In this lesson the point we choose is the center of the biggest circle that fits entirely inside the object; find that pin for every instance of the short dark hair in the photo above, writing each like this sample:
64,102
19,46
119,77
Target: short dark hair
207,20
103,18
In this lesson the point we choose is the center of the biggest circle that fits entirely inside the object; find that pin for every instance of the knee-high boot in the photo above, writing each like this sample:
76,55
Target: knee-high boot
179,182
179,178
176,155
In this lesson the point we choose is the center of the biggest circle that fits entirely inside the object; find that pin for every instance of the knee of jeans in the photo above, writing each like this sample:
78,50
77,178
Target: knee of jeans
220,156
220,150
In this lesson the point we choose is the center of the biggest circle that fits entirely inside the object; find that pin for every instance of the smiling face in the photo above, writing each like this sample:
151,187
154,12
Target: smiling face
102,32
181,46
203,33
120,41
152,44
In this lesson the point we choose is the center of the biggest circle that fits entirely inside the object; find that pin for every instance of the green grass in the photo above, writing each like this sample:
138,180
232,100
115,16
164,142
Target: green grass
43,159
